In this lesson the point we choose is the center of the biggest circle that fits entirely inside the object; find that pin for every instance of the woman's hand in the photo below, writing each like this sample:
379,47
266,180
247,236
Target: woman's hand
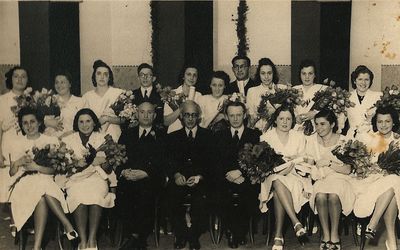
81,163
55,123
24,160
104,119
323,163
31,166
98,160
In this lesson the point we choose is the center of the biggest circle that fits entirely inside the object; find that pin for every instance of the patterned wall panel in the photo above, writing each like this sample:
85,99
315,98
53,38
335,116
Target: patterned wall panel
390,75
125,76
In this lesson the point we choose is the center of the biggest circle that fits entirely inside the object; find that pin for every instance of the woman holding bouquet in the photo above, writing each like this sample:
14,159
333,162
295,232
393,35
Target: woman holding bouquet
332,191
267,78
188,79
35,192
307,76
211,105
288,188
88,189
104,95
360,115
17,80
69,105
378,194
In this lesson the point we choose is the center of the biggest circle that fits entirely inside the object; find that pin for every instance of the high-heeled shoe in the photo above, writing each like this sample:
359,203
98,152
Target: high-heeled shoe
300,232
324,245
336,245
370,233
278,247
390,247
73,235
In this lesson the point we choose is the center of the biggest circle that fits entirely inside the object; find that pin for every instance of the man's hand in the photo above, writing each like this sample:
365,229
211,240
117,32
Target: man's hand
180,180
134,174
233,175
239,180
193,180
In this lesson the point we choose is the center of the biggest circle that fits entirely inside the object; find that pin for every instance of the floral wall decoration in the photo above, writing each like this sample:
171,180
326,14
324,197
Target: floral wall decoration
241,30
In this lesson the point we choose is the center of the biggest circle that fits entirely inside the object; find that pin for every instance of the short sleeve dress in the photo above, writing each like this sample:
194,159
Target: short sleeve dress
28,191
295,183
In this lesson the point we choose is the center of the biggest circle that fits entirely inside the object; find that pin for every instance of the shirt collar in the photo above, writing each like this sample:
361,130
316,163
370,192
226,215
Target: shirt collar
141,131
149,89
240,131
244,82
194,131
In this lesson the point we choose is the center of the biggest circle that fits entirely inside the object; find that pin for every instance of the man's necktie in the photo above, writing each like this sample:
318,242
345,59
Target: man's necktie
235,137
145,95
143,134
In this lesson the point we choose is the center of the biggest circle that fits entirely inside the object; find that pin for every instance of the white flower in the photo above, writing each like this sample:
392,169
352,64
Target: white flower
44,91
47,102
27,91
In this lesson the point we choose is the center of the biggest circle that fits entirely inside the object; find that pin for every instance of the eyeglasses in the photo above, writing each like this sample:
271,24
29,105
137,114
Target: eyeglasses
237,67
192,115
145,76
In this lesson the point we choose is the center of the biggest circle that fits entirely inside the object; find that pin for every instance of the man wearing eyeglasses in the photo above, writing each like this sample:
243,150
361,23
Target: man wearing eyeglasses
191,156
241,68
147,92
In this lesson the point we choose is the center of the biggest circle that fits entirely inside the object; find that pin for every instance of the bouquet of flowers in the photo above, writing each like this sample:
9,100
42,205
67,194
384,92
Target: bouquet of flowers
258,161
288,96
44,101
356,154
24,100
170,97
123,107
390,159
58,157
390,97
115,154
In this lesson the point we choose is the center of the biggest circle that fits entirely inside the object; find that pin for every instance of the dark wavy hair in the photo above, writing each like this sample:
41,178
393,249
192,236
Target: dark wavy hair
86,111
100,63
282,108
183,70
221,75
329,116
235,104
63,72
10,73
307,63
388,110
361,69
267,61
31,111
241,57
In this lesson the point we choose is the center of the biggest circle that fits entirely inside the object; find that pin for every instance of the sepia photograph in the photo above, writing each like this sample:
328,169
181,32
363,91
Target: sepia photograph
215,124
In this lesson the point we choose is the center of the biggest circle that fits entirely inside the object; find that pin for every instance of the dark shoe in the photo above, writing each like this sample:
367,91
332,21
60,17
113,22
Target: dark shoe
194,244
232,242
300,233
336,245
179,243
131,243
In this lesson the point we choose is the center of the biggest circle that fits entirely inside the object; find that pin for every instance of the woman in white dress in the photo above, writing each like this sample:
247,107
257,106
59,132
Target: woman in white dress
332,191
267,78
88,190
69,105
104,95
188,78
360,115
377,194
35,193
211,104
287,187
307,76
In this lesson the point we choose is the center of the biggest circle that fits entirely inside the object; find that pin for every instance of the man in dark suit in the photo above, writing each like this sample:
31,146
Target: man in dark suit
140,179
239,196
241,68
147,91
191,156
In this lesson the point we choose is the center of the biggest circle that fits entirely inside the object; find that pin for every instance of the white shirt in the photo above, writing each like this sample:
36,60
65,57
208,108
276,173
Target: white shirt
209,108
149,89
240,131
